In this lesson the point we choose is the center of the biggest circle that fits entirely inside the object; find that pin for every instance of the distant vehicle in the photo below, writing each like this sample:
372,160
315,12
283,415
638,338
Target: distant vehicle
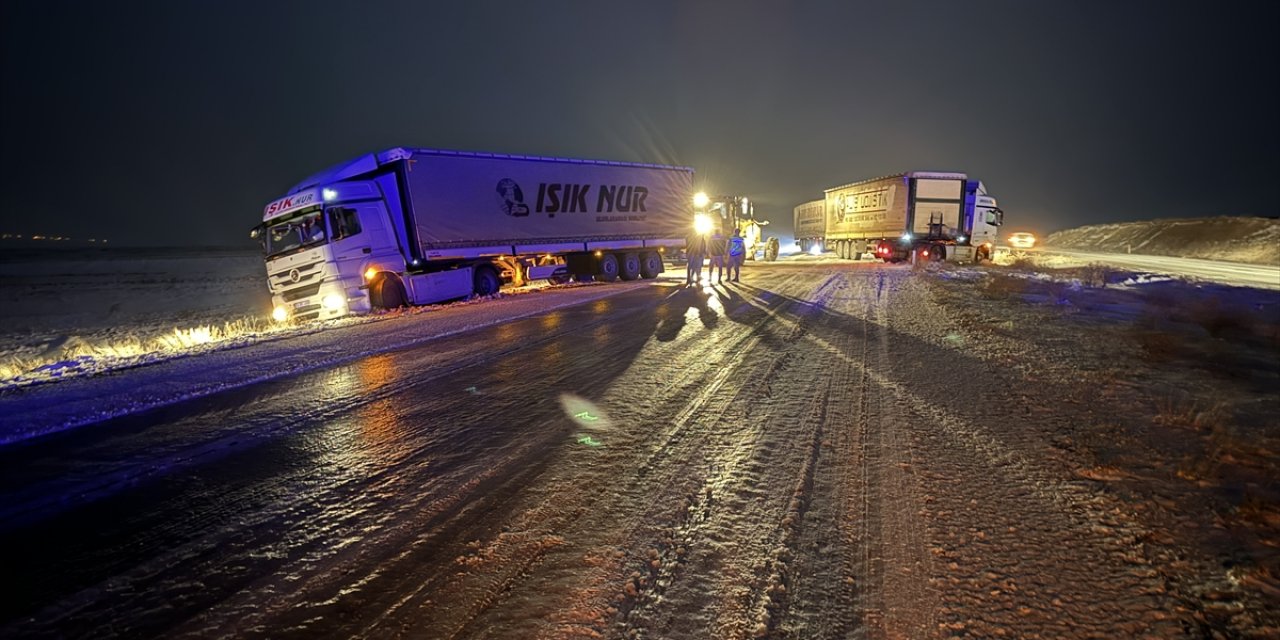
1021,240
938,216
738,212
810,225
417,226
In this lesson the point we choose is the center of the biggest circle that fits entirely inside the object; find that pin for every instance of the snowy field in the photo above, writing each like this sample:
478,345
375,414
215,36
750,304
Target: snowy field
72,310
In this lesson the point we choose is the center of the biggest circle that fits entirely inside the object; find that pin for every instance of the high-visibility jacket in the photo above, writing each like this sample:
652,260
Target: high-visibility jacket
737,246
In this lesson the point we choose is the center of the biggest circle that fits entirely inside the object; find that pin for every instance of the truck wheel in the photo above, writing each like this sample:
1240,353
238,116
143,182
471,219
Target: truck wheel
486,281
938,253
650,265
387,293
630,265
771,250
608,268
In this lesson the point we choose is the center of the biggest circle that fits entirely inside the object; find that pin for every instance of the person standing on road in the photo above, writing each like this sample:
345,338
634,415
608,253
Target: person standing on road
695,249
718,246
737,254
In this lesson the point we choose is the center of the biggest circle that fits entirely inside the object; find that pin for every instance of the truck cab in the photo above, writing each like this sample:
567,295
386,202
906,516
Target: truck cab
325,248
985,220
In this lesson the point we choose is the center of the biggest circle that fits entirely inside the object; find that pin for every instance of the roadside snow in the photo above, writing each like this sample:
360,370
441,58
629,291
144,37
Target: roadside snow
70,314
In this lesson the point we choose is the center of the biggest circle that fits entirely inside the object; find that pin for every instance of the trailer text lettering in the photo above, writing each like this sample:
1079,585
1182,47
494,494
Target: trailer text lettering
554,198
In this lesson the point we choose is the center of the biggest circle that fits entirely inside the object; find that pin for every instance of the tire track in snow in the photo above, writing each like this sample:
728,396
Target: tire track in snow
661,480
1043,515
736,573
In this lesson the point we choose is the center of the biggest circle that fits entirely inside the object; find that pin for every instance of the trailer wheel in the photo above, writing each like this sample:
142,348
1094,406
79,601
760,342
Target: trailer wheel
855,250
771,249
630,266
387,293
485,281
650,265
608,268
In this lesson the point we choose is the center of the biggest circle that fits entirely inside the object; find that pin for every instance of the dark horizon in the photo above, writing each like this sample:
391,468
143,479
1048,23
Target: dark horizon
175,124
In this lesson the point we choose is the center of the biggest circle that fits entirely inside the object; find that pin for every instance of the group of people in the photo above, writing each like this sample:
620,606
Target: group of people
727,255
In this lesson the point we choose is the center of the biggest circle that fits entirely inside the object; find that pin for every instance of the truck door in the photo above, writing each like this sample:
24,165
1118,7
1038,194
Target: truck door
357,232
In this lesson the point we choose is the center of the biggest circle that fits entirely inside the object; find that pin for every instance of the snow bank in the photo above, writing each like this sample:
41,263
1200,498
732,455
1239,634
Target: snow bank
1232,239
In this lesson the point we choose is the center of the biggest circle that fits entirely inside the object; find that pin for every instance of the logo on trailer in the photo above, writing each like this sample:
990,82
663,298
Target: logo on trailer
289,203
511,198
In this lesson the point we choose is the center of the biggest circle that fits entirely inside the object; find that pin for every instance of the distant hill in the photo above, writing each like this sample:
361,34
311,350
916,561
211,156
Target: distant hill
1234,239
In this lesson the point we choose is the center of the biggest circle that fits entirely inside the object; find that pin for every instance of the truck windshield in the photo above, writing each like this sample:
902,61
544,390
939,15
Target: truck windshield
303,230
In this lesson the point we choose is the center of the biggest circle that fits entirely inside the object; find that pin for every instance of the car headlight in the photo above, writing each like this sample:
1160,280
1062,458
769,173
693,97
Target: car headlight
333,302
280,314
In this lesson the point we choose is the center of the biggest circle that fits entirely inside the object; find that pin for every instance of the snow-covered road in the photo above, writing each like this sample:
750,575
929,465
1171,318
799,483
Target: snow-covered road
785,457
1233,273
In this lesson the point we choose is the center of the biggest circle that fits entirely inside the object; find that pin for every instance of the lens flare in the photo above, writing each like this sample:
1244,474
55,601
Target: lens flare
584,412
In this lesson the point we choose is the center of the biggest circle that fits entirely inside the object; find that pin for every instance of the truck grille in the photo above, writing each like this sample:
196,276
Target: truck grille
307,273
300,292
307,284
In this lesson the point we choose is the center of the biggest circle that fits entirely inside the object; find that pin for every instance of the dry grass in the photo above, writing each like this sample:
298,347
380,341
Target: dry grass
1190,414
1022,262
1096,275
1156,346
1219,319
124,348
1210,422
1000,286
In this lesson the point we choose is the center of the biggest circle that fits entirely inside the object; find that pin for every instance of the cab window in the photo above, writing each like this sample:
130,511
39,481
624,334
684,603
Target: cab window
343,222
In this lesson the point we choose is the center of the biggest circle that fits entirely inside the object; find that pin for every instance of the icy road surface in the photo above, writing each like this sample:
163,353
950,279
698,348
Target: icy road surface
777,458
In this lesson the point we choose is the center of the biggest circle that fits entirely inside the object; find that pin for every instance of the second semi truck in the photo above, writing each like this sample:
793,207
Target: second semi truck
417,226
936,215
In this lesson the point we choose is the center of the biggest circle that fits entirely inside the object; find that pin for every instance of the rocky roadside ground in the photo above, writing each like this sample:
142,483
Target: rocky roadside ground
1174,395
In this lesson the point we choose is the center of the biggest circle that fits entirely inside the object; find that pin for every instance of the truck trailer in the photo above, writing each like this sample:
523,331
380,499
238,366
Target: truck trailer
810,225
933,215
419,226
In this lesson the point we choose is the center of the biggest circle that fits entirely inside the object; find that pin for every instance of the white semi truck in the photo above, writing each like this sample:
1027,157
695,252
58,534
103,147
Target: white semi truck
935,215
418,226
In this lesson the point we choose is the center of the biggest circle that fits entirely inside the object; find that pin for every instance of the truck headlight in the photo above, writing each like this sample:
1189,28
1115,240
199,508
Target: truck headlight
279,314
333,302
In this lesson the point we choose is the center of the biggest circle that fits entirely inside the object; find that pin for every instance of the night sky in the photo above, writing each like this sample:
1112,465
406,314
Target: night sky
175,122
